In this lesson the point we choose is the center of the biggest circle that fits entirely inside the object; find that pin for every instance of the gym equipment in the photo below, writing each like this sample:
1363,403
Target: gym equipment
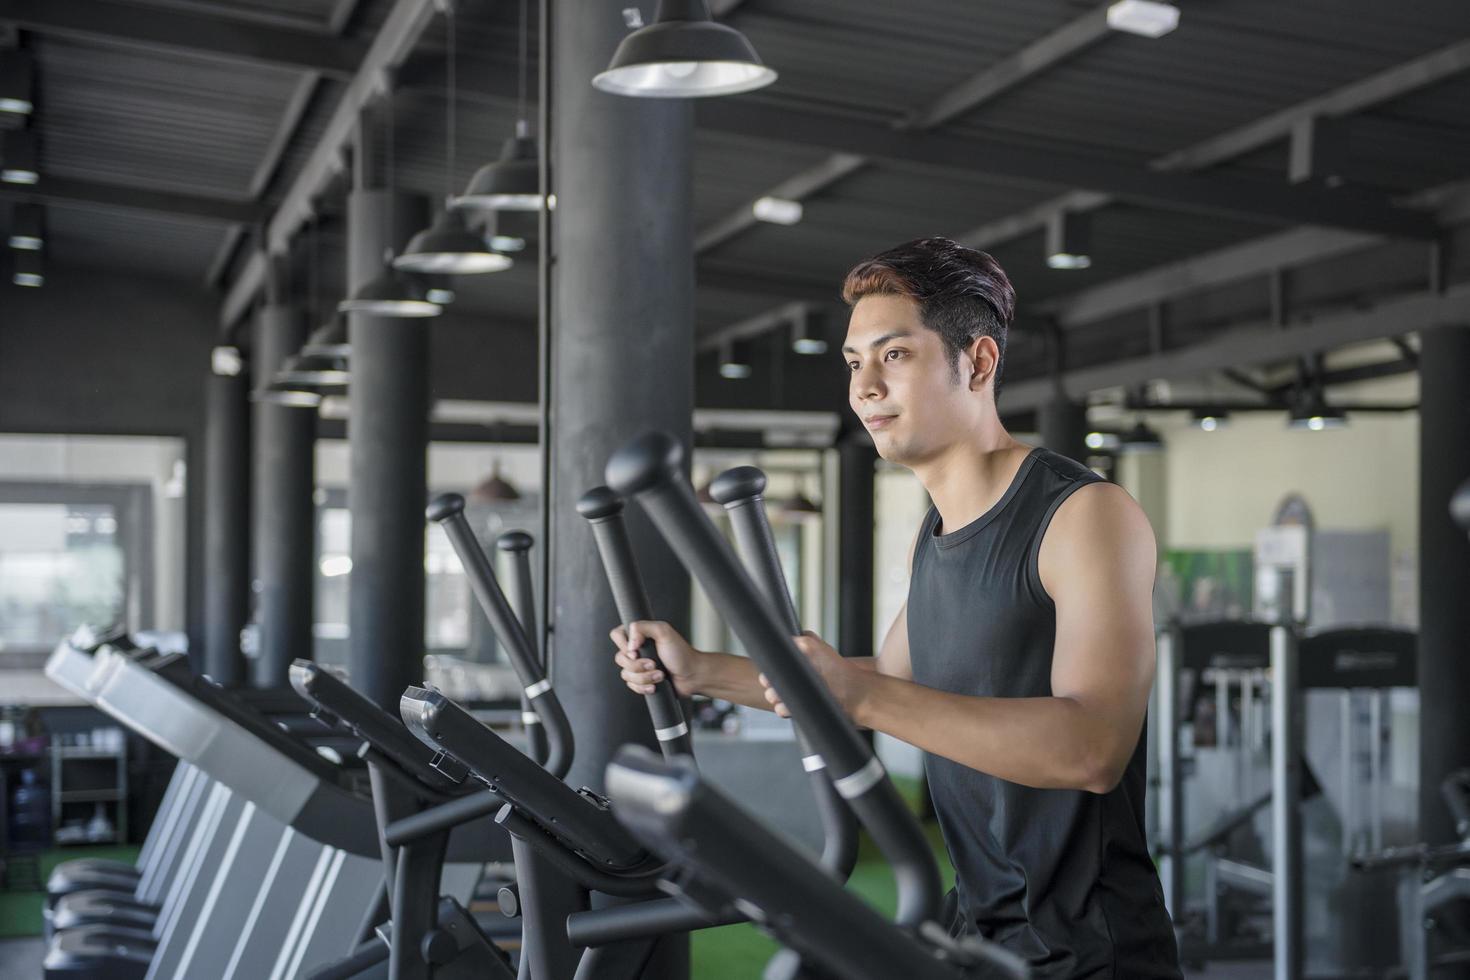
672,810
1278,667
741,492
1430,879
544,892
429,936
516,545
603,510
1232,658
447,510
282,870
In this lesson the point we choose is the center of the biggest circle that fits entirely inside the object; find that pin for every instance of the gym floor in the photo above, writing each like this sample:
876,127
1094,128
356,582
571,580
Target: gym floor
21,958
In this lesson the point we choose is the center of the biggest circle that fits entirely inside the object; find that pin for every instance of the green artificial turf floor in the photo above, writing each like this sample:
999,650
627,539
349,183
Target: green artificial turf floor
741,952
20,911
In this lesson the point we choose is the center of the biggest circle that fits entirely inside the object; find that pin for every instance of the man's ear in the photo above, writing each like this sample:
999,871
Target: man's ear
984,357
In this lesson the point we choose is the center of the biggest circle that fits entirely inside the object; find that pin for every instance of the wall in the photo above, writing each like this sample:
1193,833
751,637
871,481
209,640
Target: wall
92,353
1214,490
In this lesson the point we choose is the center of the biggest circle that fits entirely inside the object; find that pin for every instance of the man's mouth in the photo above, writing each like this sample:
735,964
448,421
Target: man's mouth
878,421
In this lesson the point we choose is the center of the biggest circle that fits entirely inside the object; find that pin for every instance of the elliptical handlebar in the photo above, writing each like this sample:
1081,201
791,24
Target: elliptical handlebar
651,469
603,510
517,545
740,491
447,510
1455,790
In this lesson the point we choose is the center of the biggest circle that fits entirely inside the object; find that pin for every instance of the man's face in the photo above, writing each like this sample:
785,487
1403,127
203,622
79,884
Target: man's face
901,381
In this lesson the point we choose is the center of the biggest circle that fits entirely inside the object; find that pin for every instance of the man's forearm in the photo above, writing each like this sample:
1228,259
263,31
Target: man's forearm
731,678
1048,743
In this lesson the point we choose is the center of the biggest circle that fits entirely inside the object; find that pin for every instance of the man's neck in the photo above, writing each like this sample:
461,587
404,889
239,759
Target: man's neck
971,476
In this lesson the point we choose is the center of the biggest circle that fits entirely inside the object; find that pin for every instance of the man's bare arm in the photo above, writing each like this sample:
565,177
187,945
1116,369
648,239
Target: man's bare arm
1097,562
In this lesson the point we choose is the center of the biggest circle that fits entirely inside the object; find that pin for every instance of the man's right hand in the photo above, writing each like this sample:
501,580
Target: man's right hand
640,674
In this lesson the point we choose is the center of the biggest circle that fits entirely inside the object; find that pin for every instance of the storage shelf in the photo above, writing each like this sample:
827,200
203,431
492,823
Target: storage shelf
89,795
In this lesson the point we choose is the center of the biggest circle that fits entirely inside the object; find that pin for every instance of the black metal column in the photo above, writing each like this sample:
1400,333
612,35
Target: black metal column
387,438
281,505
1444,572
856,462
621,361
621,354
226,516
1064,427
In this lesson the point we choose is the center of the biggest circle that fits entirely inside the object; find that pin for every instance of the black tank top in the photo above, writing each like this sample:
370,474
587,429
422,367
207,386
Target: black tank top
1063,878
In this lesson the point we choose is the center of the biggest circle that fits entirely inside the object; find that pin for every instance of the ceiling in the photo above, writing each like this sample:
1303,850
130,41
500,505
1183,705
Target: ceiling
170,129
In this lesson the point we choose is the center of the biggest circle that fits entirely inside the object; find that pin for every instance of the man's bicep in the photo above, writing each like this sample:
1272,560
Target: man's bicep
893,656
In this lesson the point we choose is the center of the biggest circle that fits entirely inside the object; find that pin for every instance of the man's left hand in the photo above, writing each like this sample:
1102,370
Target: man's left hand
841,677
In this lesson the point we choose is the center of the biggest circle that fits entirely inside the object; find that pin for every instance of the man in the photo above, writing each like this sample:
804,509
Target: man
1022,661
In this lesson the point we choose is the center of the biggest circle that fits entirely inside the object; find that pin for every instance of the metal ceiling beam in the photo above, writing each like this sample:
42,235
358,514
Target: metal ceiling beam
967,95
1385,86
795,188
1256,343
223,38
1231,264
265,170
1260,256
783,289
1064,42
194,207
762,323
1270,202
1393,83
275,151
394,41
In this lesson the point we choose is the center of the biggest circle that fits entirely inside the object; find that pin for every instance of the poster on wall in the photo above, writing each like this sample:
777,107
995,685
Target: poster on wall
1200,585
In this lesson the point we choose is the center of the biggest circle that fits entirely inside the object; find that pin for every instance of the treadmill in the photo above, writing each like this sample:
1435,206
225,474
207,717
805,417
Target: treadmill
284,871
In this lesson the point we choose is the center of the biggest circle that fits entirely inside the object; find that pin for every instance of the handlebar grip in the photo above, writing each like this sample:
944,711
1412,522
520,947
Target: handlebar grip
603,510
740,491
447,510
516,546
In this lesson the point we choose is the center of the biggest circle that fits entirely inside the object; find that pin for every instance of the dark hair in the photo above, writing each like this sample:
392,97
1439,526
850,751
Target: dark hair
962,292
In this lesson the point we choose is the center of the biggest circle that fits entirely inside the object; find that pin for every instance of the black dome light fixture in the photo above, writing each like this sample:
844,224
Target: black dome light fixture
1211,420
684,54
512,182
448,247
20,158
17,82
389,294
1309,408
329,339
27,227
286,396
1312,413
1142,438
735,360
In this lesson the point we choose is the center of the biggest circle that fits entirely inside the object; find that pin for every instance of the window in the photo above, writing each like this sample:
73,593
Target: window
68,555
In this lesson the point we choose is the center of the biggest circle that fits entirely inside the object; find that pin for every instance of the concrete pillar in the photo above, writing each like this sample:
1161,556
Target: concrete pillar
622,280
621,362
226,516
856,459
1444,572
1064,427
281,504
387,439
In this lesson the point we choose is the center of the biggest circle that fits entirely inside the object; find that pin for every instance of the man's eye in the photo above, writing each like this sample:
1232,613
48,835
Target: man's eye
890,355
852,366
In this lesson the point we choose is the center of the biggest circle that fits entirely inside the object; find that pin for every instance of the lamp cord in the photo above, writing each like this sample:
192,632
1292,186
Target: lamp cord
451,91
521,80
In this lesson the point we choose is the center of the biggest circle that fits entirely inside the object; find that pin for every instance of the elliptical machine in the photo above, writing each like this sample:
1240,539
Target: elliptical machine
719,848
